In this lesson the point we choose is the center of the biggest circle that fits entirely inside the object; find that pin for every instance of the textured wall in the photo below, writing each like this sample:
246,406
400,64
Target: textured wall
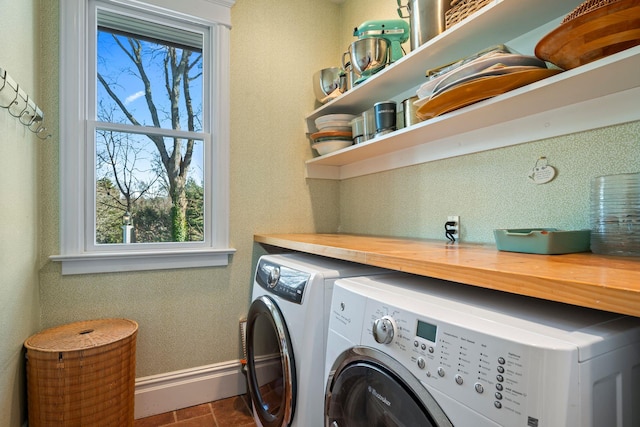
490,189
19,306
189,318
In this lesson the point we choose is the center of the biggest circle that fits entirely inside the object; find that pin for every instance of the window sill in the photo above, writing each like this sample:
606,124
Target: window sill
109,262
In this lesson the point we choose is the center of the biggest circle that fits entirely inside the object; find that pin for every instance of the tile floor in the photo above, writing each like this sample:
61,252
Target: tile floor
231,412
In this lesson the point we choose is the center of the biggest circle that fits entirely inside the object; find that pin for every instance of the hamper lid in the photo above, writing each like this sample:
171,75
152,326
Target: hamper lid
82,335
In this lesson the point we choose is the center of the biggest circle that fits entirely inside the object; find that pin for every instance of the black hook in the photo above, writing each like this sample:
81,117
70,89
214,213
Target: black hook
450,232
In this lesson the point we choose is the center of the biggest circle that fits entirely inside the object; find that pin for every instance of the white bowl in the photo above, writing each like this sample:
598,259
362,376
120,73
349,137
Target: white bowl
331,145
334,122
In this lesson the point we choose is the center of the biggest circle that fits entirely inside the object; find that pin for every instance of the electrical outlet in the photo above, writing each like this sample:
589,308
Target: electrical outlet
454,229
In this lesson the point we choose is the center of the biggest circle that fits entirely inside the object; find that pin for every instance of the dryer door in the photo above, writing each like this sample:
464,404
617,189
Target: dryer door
368,388
271,373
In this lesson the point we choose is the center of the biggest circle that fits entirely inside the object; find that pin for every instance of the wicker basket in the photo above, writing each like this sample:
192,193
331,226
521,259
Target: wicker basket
460,9
586,7
82,374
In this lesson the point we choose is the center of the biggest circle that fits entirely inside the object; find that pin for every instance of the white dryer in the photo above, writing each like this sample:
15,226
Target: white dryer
411,351
286,336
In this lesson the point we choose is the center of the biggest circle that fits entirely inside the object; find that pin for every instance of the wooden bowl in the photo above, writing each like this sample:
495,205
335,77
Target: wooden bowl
596,34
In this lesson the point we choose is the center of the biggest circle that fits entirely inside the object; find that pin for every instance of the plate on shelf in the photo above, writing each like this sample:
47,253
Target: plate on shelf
485,63
498,71
481,89
601,32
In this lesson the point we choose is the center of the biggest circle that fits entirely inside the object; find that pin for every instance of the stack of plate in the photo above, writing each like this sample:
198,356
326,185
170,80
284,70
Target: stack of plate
334,133
485,77
615,214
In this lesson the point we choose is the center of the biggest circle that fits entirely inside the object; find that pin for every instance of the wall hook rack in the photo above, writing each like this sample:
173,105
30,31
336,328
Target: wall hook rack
20,105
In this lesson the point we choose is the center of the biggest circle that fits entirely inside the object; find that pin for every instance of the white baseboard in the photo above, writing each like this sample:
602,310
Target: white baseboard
180,389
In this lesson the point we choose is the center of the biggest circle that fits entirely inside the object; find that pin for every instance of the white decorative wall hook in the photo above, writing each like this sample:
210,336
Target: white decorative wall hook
542,172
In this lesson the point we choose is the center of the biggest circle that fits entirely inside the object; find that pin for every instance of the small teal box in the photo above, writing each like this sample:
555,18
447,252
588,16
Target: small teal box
546,241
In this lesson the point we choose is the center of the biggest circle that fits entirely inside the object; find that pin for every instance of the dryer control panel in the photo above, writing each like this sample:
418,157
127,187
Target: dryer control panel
282,281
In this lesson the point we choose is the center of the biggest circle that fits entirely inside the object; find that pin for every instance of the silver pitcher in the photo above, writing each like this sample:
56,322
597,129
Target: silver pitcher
426,19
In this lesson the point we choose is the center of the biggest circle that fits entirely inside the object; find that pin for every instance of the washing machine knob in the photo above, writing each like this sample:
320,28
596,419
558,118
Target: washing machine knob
384,329
274,276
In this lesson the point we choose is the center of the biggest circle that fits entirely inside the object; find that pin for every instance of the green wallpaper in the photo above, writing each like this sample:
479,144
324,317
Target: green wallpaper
490,189
19,299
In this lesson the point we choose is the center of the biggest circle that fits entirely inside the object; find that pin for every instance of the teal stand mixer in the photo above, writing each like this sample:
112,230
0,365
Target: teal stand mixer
395,31
379,43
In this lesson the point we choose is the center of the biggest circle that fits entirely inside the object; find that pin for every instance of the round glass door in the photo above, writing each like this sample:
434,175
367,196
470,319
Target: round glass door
370,389
270,364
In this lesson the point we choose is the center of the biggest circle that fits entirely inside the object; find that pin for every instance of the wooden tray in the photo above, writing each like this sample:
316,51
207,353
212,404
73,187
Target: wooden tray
602,32
480,89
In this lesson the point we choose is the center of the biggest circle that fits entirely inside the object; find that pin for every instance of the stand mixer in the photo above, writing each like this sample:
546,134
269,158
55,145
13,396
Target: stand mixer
395,31
379,43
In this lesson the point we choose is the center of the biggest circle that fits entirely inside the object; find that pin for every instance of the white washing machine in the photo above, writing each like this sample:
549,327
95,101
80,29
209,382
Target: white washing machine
411,351
286,336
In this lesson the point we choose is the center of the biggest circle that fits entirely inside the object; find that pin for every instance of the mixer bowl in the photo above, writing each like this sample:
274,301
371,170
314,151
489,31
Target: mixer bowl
325,82
369,55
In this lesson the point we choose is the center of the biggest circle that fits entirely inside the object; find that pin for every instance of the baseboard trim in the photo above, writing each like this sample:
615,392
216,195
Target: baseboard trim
180,389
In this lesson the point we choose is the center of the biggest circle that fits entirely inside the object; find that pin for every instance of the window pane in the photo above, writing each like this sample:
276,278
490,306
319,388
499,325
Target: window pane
149,81
141,197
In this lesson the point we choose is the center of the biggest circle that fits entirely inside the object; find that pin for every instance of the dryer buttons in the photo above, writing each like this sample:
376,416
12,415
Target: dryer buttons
421,363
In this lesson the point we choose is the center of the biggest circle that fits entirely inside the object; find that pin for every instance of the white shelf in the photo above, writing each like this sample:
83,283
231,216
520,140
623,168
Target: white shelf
599,94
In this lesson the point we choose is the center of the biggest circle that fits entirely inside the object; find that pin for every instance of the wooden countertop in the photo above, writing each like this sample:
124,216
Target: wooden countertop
603,282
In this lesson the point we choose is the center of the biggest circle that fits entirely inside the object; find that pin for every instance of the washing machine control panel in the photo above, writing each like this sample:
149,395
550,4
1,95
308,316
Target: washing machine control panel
490,374
285,282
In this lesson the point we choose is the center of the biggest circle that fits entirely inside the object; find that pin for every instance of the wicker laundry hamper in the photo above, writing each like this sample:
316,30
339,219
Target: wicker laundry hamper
82,374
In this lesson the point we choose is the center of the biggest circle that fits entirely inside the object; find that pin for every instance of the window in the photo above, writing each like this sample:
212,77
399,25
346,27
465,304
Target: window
143,135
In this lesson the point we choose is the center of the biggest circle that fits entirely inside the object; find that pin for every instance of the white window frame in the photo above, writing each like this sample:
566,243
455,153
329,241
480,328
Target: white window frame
78,255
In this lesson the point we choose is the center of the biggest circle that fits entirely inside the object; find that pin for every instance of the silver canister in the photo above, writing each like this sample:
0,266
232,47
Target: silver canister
409,111
426,19
358,130
369,124
385,113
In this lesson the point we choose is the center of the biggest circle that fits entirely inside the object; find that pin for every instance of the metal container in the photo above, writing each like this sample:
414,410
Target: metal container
426,19
369,124
358,129
409,111
385,113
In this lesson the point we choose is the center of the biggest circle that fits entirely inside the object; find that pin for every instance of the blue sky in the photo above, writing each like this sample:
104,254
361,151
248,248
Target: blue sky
122,75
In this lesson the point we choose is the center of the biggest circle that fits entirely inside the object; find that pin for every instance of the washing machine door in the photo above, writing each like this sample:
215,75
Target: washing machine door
271,374
367,388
